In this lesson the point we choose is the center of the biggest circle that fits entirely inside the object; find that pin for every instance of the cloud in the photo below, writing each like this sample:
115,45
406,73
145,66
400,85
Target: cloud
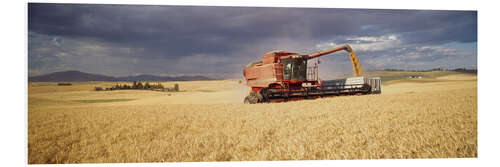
34,72
373,38
385,42
56,42
219,41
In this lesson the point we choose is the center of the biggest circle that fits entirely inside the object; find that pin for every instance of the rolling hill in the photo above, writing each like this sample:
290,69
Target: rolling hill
66,76
388,75
77,76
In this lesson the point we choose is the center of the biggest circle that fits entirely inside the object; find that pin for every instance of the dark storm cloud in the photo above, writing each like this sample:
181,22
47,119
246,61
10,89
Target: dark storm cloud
178,30
140,36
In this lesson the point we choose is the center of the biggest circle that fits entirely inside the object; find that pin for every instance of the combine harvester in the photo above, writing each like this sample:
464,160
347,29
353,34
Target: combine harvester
284,76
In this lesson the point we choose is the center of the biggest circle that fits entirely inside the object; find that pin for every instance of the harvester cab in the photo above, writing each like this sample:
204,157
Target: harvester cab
295,68
283,76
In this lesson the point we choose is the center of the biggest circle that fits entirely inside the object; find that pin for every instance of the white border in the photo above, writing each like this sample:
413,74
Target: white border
14,73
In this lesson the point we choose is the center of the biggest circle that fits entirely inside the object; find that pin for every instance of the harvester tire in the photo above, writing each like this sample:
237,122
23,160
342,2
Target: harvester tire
246,101
251,99
259,97
263,95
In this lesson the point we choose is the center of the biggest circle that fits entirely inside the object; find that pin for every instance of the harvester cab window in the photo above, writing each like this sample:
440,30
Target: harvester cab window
287,70
294,69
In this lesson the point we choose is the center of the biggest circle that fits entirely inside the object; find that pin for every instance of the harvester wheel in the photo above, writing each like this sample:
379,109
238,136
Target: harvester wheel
263,95
251,99
247,100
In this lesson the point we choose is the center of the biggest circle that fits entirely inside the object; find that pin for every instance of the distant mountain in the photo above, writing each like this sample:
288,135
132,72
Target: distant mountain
77,76
65,76
142,78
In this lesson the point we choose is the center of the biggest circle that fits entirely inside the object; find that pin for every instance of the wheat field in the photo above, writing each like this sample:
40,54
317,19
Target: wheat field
207,121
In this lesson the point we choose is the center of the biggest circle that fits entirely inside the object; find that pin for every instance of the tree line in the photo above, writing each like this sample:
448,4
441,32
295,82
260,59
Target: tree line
138,85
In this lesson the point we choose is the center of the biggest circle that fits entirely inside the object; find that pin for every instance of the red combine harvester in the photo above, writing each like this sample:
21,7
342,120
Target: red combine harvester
283,76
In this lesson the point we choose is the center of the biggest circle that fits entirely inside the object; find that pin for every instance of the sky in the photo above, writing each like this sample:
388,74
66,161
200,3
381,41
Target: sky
217,42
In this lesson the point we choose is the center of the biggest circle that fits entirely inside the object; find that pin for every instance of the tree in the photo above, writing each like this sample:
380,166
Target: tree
139,85
176,87
134,85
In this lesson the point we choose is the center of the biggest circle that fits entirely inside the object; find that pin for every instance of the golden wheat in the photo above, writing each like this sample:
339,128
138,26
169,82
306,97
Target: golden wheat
208,122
